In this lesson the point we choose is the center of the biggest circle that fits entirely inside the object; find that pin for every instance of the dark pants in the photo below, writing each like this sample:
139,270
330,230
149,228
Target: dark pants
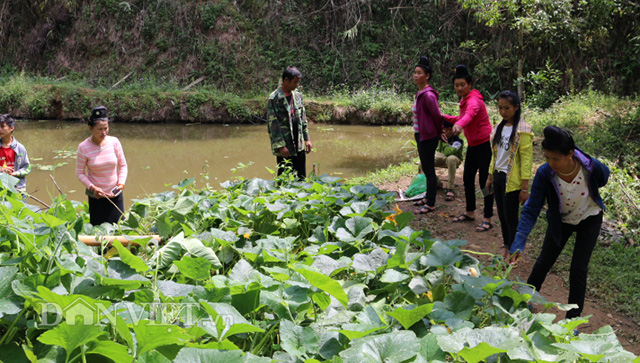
587,232
297,163
477,160
508,205
427,153
101,210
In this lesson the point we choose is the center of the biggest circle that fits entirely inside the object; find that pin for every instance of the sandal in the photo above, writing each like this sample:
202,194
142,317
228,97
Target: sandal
449,196
421,202
484,226
425,209
463,218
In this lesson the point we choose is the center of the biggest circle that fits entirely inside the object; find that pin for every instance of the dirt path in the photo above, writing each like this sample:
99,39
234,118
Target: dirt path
554,288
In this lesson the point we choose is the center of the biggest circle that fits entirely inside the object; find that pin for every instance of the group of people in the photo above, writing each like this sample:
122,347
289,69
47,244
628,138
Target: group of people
100,165
501,156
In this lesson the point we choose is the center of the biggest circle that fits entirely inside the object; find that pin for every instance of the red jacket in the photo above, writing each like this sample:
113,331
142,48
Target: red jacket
428,113
473,118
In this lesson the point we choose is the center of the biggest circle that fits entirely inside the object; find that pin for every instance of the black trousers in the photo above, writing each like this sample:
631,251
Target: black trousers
297,163
101,210
587,232
508,205
427,153
477,160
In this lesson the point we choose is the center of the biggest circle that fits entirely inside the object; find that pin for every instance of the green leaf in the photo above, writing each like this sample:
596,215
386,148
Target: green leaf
479,352
297,340
460,303
403,219
195,355
355,331
9,302
323,300
194,268
228,320
130,259
70,337
324,283
114,351
51,221
430,350
409,317
371,261
8,182
393,347
399,257
123,284
364,189
183,206
356,229
195,248
151,335
123,331
442,255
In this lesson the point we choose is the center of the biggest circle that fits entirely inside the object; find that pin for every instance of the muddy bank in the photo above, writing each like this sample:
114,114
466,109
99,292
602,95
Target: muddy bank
60,102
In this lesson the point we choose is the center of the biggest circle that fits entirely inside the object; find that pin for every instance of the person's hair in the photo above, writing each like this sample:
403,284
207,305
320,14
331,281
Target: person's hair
8,120
514,100
291,73
557,139
425,65
98,113
462,72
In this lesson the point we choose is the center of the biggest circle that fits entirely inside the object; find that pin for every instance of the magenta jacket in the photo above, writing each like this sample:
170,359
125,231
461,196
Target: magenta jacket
473,119
428,113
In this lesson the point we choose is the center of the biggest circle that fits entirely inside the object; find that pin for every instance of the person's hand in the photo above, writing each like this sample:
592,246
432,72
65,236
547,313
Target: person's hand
524,195
457,129
489,182
513,259
284,152
443,136
99,192
308,146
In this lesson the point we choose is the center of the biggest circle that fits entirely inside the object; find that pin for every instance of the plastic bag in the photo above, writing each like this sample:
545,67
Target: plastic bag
418,185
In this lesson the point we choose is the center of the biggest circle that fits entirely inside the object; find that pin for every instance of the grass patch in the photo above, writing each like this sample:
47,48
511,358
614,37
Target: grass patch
387,175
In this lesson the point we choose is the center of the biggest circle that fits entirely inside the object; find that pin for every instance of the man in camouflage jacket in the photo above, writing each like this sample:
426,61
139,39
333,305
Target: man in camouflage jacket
287,124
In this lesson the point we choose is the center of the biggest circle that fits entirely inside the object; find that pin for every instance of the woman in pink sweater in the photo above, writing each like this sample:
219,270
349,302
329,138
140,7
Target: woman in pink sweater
477,128
102,169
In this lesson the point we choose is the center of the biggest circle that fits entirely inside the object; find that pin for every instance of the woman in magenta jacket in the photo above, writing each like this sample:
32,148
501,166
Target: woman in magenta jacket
427,125
477,128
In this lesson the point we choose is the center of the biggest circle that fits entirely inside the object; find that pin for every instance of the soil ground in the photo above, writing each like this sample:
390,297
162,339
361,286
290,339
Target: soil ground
554,289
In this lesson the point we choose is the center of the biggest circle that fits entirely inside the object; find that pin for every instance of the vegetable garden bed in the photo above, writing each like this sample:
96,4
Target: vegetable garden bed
261,272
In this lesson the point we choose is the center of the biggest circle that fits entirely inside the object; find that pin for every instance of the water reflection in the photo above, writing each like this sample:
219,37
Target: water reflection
160,155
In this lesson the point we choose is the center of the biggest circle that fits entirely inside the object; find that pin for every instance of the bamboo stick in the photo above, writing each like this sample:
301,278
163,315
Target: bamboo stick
125,240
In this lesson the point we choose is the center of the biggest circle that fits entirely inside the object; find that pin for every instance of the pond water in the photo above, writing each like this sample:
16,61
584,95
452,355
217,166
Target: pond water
161,155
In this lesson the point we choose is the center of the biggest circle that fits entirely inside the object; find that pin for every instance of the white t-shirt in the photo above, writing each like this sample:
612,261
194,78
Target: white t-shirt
575,202
502,157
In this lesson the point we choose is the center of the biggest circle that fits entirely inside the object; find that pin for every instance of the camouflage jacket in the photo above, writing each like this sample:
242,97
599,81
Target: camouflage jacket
280,122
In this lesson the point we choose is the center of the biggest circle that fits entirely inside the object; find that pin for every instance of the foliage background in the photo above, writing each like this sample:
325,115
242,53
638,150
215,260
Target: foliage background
243,45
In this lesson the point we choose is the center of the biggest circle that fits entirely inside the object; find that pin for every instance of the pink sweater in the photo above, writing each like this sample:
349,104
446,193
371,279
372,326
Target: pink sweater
473,119
103,166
